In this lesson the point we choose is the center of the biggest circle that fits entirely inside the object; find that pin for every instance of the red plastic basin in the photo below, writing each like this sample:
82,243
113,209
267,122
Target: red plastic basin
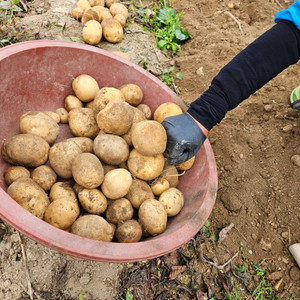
37,75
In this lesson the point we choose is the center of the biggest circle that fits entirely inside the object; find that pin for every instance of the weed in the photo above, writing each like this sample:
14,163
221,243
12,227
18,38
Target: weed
168,77
205,229
128,296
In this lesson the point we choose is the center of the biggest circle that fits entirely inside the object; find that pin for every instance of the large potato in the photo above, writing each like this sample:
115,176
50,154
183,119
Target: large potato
87,170
85,87
97,2
112,30
132,93
111,149
119,8
15,172
89,14
25,149
30,196
92,201
119,210
129,231
44,176
93,227
173,201
165,110
62,191
153,216
92,32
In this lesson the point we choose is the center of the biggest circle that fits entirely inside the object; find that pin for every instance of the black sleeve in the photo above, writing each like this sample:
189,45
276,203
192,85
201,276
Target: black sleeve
253,67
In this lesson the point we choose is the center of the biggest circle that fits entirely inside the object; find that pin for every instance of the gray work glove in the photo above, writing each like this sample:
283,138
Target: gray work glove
184,138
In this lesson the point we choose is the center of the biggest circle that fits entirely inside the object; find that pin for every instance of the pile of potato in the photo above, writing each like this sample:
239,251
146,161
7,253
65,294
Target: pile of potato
110,181
101,19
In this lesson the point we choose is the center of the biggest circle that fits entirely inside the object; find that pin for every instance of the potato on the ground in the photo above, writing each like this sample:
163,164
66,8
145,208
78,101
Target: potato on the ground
173,201
71,102
116,183
99,10
149,137
153,216
61,156
30,196
119,8
82,122
146,110
63,115
132,93
89,14
110,2
25,149
112,30
122,54
119,210
44,176
139,192
93,227
104,14
159,186
84,143
92,201
40,124
62,213
77,13
170,173
116,118
62,191
97,2
92,32
165,110
186,165
87,170
85,86
55,116
111,149
15,172
129,231
145,167
121,19
83,4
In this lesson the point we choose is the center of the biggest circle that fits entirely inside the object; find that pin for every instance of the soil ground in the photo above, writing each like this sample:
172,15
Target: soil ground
255,146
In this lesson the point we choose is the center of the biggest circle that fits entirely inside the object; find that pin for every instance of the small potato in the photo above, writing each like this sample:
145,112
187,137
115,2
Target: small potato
119,8
146,110
92,32
85,86
82,122
71,102
89,14
111,149
62,191
110,2
83,4
87,170
153,216
62,213
122,54
92,201
121,19
44,176
40,124
116,183
84,143
77,13
171,174
173,201
129,232
97,2
15,172
25,149
145,167
55,116
119,210
159,186
29,195
139,192
186,165
116,118
93,227
112,30
132,93
63,115
165,110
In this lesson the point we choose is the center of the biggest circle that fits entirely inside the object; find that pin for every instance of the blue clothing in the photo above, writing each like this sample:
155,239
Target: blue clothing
291,14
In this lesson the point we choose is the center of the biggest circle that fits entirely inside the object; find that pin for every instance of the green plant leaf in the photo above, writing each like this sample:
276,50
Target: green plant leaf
179,75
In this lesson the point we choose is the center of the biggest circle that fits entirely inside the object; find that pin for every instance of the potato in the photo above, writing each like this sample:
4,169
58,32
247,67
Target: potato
165,110
44,176
121,19
108,168
100,10
186,165
82,122
93,227
116,118
25,149
129,232
119,210
112,30
116,183
84,143
153,216
146,110
118,8
15,172
89,14
139,192
149,137
92,201
62,191
29,195
83,4
77,13
111,149
173,201
105,14
132,93
171,174
122,54
61,156
62,213
97,2
40,124
55,116
159,186
92,33
63,115
85,86
71,102
145,167
87,170
110,2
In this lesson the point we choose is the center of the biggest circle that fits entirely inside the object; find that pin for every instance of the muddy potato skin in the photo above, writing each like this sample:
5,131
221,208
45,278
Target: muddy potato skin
87,170
119,210
30,196
62,190
71,102
146,110
111,149
186,165
110,2
84,143
92,201
63,115
93,227
15,172
112,30
44,176
53,115
171,174
25,149
153,216
133,94
85,86
129,232
159,186
165,110
119,8
173,201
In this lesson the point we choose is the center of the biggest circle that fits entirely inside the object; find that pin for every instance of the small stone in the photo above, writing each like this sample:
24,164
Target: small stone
285,234
268,107
85,279
295,273
264,245
230,5
296,160
241,156
228,167
285,260
281,88
274,276
253,235
287,128
200,72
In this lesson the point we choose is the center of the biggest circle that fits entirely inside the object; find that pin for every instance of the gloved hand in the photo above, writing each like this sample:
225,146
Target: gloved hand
184,138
